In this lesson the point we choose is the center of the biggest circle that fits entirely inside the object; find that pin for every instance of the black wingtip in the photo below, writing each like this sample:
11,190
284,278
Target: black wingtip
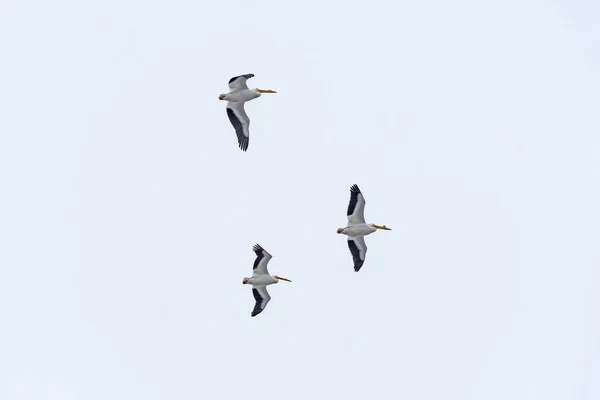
257,309
358,265
247,76
243,140
257,247
354,188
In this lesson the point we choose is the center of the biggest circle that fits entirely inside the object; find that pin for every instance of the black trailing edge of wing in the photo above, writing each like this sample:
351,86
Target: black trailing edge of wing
354,192
358,263
259,256
257,307
247,76
239,130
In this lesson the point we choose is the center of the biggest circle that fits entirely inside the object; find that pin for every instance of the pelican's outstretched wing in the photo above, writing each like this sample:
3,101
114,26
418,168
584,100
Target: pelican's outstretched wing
356,207
239,82
262,299
358,249
262,259
241,123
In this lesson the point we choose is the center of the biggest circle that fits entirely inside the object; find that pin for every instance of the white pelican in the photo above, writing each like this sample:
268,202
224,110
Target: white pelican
235,107
261,279
357,228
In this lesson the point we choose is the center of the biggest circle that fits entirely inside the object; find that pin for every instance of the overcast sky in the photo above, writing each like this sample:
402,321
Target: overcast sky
128,213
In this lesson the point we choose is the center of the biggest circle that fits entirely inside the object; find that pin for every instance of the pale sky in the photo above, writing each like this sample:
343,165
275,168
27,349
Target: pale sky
129,213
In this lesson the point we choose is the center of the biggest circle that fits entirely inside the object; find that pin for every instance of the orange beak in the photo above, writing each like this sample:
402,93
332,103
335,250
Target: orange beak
221,96
385,228
245,281
340,230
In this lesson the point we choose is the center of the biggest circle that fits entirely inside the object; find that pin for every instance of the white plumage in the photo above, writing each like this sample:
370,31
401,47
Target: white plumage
261,279
236,98
357,228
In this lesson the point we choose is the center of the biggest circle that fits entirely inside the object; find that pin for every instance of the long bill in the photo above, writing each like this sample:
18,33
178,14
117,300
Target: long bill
265,91
281,279
385,228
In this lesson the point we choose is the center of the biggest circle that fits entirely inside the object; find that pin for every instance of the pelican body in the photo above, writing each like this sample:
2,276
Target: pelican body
260,279
357,228
240,94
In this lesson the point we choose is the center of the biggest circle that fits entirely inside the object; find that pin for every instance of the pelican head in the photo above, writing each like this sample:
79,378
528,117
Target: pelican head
385,228
222,96
246,281
279,278
340,230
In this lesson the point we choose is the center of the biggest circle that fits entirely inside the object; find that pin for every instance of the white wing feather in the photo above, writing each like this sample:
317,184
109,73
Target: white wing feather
358,216
240,122
240,82
240,113
265,295
261,268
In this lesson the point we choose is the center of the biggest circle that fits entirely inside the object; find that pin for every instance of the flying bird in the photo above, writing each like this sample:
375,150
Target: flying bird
236,98
357,228
261,279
